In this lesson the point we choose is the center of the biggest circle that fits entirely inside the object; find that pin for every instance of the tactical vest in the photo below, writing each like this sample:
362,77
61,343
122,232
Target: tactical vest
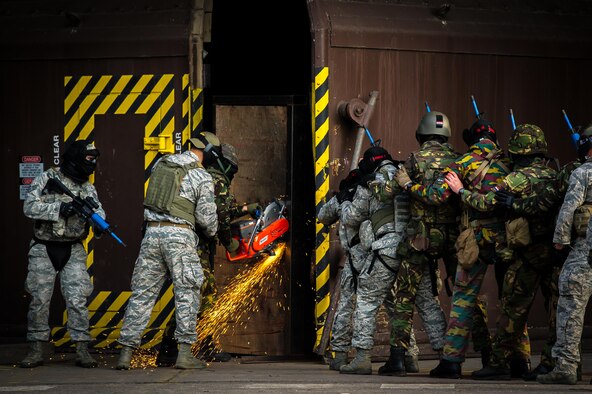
164,188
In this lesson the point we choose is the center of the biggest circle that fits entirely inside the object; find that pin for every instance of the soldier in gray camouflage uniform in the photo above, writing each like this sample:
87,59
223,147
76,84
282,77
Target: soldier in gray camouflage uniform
575,280
57,248
329,214
179,199
376,201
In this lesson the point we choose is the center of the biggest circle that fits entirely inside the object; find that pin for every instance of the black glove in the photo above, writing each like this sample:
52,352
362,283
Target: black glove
367,178
505,198
67,209
346,195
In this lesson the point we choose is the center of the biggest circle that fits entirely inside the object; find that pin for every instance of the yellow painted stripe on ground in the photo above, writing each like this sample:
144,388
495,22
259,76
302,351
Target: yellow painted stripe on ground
80,85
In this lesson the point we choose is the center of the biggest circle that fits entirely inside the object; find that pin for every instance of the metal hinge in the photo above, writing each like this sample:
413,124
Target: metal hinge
162,143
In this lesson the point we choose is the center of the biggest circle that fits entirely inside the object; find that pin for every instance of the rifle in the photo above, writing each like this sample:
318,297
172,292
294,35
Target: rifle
512,119
85,208
575,137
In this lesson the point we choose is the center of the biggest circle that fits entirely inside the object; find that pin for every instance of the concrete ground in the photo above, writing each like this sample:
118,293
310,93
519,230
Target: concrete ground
245,375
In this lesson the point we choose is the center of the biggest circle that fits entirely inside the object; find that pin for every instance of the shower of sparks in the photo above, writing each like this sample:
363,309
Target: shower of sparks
240,297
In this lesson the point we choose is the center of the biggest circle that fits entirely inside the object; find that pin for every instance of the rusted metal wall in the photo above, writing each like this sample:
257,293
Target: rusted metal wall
415,51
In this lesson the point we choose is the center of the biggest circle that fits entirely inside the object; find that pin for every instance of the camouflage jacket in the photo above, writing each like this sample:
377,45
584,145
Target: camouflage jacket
529,182
197,186
226,205
548,198
424,167
465,167
43,207
379,195
329,214
578,192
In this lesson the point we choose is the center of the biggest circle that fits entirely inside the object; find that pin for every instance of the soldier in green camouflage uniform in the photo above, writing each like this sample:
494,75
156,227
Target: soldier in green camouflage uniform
430,235
531,242
573,229
547,200
478,170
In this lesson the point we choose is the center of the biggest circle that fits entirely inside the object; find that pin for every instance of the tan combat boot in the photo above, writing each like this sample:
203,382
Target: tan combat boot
185,359
83,357
34,357
360,365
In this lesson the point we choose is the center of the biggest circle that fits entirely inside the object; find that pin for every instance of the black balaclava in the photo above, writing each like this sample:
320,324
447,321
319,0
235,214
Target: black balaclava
584,146
351,179
373,156
74,163
480,129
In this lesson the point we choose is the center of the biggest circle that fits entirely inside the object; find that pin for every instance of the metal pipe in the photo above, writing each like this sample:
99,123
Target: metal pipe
362,129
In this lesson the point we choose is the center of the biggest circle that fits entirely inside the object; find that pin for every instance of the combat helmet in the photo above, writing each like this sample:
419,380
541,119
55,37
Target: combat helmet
229,153
205,141
433,123
527,139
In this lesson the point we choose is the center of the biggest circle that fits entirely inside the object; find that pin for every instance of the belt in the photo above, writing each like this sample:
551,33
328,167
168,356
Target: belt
169,224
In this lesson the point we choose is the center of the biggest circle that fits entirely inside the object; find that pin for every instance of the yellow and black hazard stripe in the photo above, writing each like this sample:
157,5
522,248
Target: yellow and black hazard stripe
192,110
89,96
321,157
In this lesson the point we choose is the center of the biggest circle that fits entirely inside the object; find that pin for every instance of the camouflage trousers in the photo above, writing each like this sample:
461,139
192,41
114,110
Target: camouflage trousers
164,249
341,332
75,285
209,292
520,286
374,284
414,289
575,289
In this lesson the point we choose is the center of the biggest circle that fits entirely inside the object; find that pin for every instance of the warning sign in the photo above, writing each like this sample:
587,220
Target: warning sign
29,168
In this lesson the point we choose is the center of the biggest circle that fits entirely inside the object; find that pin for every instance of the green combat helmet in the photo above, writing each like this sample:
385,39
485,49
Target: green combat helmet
433,123
527,139
205,140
